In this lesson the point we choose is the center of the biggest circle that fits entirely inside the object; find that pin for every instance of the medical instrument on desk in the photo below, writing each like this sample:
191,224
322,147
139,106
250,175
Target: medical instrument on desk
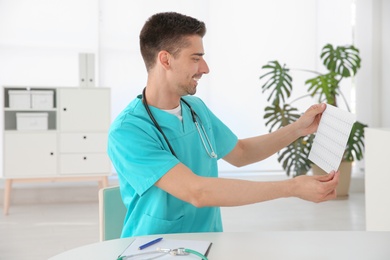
182,251
150,243
200,129
164,251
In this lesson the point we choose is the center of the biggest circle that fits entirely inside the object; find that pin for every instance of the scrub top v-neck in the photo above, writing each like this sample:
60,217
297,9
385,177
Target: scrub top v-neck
141,157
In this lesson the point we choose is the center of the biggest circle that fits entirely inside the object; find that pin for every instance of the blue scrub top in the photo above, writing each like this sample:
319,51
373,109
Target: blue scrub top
141,157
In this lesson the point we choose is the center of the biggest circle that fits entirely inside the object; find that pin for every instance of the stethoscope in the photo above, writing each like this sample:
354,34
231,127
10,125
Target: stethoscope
160,252
200,128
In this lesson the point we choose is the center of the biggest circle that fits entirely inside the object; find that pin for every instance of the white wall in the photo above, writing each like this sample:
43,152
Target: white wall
40,41
373,81
242,36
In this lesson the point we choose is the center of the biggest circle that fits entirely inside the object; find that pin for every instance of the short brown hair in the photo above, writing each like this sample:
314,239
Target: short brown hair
167,31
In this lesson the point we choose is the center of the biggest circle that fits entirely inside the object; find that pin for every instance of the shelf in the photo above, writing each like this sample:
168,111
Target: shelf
10,118
30,109
30,97
29,131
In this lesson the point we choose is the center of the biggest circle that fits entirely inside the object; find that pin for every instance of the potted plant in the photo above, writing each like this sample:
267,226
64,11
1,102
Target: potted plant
340,62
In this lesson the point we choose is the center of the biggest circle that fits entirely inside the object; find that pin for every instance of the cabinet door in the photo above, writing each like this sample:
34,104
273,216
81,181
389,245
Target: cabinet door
84,109
96,163
30,154
83,143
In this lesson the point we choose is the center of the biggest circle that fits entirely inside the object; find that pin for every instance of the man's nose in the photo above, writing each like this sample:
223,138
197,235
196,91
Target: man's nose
204,68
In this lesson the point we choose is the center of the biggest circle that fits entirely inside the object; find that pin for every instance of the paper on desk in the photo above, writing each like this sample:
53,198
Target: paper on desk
199,246
331,138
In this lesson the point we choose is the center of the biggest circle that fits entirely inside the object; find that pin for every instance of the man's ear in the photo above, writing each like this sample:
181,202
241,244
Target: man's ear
164,58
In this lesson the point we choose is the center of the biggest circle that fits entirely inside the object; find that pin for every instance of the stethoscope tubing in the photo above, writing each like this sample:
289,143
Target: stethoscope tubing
144,101
200,129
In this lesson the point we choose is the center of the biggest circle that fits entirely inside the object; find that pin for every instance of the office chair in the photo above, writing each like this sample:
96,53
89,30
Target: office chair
112,212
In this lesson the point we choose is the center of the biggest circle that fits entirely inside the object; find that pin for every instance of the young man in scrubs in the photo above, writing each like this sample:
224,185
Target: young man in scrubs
165,144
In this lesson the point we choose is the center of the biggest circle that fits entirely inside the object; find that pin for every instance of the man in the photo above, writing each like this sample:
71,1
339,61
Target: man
166,143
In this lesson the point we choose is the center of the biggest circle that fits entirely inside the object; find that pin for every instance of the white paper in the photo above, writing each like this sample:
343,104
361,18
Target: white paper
331,138
132,249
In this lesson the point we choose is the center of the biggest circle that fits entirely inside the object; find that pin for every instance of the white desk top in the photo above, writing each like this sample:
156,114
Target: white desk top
288,245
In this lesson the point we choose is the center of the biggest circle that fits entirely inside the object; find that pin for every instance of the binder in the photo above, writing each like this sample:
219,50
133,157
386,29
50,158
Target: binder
90,69
86,70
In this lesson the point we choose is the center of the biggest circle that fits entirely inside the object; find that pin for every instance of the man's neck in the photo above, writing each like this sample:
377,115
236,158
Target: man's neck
161,96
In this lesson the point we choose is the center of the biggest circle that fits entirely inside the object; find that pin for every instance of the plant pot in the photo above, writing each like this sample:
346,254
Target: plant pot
345,177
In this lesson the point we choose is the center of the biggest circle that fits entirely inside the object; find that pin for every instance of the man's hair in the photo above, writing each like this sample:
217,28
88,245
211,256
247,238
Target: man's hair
167,31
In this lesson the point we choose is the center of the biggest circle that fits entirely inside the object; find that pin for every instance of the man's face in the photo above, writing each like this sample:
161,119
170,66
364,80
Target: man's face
188,67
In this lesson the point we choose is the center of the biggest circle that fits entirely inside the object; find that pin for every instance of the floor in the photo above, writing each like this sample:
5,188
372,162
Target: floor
46,219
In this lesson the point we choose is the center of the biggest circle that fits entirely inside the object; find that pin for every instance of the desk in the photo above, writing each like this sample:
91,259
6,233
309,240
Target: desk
286,245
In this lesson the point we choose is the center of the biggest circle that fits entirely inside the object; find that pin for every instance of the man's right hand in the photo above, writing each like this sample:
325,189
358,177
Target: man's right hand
316,188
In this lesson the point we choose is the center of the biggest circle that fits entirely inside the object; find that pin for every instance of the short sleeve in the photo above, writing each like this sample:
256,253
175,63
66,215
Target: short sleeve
137,154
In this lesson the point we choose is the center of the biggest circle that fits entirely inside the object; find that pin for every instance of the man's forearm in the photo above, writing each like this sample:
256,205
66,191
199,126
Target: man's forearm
255,149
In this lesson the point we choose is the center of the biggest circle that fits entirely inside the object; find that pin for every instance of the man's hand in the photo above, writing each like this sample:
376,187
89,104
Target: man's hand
316,188
309,121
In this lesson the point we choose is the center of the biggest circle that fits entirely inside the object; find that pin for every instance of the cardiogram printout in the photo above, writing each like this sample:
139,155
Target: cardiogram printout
331,138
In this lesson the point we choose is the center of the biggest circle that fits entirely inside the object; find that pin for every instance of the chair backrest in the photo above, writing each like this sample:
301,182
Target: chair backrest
112,213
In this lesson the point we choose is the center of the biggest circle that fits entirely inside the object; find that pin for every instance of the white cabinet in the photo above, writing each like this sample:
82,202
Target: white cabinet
84,109
84,164
84,119
30,154
83,153
30,138
70,144
83,142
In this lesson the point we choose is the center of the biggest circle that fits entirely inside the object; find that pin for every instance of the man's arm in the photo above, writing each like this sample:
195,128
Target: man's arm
182,183
258,148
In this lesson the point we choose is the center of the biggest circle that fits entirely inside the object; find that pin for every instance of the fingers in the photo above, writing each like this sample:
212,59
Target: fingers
318,108
330,185
317,188
331,195
326,177
310,120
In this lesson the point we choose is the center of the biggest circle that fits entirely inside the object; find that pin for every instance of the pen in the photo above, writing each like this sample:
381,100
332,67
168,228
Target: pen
150,243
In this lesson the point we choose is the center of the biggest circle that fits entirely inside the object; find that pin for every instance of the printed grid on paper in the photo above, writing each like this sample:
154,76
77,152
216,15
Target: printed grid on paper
331,138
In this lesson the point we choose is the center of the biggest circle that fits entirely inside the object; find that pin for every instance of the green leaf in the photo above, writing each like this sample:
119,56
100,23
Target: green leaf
279,82
278,117
355,143
325,86
344,60
294,157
